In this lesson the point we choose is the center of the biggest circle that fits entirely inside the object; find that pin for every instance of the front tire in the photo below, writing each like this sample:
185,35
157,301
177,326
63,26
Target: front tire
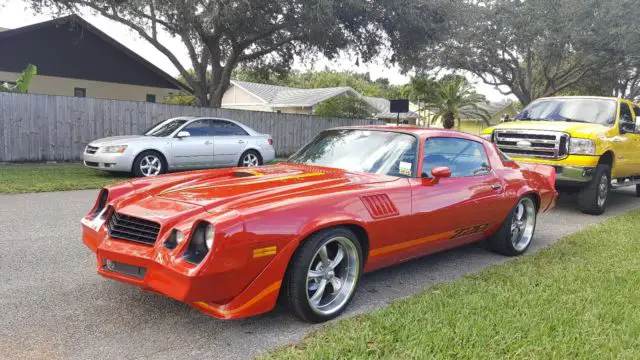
323,275
250,158
593,198
149,163
514,236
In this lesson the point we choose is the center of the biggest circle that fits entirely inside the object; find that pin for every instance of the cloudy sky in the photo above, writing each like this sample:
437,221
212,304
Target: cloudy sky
15,13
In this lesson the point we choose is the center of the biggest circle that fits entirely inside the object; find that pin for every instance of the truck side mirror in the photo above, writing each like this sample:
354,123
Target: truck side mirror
627,127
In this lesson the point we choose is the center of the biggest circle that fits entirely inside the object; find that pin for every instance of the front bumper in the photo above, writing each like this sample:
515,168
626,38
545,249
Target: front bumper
571,175
108,162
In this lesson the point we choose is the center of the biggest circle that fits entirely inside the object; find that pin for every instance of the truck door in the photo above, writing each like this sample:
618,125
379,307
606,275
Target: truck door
625,143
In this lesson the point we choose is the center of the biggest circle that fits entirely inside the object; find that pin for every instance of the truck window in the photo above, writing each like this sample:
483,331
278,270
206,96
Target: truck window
636,110
625,113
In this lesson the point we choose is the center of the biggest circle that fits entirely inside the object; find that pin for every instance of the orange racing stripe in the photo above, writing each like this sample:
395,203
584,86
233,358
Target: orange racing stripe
412,243
220,310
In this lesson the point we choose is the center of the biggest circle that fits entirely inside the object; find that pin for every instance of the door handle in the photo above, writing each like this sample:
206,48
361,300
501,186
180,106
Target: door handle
208,142
241,141
496,187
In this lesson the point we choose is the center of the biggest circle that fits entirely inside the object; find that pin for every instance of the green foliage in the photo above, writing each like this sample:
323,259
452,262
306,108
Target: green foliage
577,299
221,35
23,82
452,95
344,107
536,48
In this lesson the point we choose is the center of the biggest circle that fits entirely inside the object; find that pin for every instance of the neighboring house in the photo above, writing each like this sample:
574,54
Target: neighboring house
471,123
382,107
74,58
272,98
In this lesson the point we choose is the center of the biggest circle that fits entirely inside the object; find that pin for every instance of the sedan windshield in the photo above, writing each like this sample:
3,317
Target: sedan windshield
596,111
372,151
165,128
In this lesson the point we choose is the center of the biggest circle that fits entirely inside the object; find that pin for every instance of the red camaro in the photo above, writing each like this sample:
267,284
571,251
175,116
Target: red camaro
229,242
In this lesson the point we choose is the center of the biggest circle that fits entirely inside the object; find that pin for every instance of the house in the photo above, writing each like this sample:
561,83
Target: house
471,123
273,98
74,58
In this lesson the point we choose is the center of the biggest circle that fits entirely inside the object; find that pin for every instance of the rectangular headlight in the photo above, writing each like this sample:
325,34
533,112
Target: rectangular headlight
119,149
579,146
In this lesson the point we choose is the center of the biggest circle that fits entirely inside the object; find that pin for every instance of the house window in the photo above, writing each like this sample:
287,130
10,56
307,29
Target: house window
80,92
151,98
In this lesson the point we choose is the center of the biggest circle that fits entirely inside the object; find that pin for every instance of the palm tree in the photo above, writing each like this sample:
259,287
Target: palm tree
23,82
454,95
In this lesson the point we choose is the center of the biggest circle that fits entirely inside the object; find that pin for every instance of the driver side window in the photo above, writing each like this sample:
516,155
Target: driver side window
199,128
463,157
636,110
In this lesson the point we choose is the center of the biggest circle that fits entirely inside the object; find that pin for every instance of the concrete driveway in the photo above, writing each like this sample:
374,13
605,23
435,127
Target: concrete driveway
54,305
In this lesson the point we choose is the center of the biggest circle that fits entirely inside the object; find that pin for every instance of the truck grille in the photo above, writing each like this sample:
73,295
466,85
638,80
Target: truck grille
532,143
131,228
91,149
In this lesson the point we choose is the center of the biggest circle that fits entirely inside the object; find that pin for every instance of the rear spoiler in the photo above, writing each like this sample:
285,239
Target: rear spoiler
549,172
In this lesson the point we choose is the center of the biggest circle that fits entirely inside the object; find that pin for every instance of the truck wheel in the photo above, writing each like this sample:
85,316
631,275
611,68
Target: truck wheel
593,198
514,235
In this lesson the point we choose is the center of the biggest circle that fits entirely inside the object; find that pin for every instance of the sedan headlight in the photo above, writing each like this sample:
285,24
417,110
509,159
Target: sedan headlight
579,146
201,243
118,149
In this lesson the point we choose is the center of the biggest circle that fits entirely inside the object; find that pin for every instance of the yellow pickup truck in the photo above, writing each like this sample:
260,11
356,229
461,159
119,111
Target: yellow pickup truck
593,143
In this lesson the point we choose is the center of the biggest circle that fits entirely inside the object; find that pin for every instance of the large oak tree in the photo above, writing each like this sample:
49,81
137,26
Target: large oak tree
219,35
534,48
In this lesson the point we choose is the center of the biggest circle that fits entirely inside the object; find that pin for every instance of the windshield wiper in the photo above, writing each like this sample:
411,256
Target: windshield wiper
572,120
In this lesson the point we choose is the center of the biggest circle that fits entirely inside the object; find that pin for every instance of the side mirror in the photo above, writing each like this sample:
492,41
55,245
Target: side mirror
183,134
441,172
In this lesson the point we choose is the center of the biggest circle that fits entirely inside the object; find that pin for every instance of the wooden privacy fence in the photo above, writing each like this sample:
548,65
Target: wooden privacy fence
57,128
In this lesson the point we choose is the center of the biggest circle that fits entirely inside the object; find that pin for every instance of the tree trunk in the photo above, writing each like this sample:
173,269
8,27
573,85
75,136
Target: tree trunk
449,121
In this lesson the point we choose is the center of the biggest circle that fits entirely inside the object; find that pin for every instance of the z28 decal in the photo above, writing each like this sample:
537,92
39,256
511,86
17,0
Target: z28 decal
469,230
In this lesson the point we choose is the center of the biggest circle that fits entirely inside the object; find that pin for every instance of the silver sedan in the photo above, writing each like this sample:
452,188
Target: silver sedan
180,144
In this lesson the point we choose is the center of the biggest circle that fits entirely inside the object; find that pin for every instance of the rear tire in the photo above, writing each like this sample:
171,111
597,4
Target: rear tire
250,158
593,199
323,275
514,236
149,163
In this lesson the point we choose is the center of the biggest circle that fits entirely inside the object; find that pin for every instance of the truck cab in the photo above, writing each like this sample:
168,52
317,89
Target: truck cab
592,142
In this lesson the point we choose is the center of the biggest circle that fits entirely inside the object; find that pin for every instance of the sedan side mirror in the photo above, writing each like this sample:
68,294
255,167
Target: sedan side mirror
183,134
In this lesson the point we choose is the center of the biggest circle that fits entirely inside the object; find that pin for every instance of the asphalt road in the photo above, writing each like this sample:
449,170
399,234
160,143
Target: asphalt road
53,304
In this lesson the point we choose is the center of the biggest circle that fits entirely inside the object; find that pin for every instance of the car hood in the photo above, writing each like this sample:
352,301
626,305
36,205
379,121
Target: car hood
573,128
220,190
121,140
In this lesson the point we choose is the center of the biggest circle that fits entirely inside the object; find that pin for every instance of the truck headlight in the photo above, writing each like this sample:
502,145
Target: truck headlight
582,147
201,242
119,149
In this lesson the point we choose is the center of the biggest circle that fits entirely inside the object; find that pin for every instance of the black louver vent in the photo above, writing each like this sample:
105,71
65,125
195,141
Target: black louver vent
131,228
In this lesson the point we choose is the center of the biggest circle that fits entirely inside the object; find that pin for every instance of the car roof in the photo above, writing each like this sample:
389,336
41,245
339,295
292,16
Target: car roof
419,131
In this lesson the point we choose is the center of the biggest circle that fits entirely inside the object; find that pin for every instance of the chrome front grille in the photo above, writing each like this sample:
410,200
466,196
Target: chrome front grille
532,143
91,149
131,228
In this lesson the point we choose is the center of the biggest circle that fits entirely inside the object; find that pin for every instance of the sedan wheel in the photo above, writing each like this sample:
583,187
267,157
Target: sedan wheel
250,159
323,274
150,165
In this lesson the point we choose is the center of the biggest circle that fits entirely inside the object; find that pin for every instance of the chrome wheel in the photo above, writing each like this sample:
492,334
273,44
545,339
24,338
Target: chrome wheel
523,224
250,160
150,165
332,275
603,190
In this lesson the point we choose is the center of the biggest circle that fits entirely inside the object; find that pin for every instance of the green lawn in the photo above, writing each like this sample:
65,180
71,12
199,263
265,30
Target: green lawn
21,178
579,298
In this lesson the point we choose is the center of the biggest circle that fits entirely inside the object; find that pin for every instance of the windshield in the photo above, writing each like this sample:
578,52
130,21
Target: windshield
377,152
165,128
596,111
